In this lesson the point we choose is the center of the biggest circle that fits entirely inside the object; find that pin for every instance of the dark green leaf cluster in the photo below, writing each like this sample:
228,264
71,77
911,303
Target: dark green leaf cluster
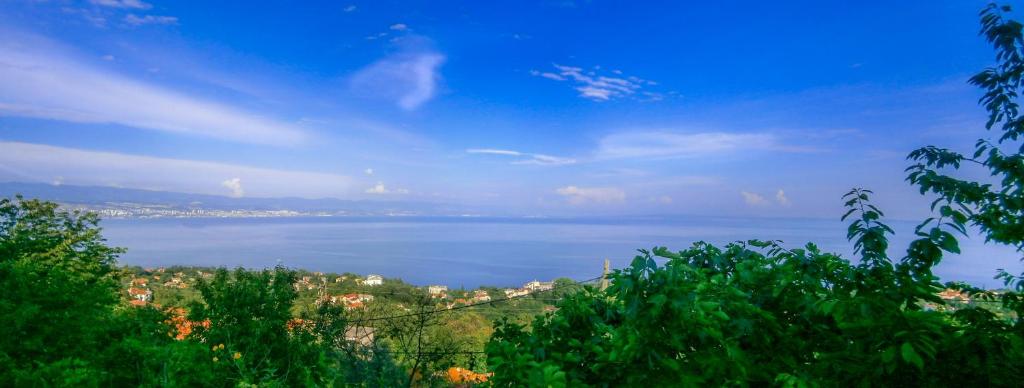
995,206
754,313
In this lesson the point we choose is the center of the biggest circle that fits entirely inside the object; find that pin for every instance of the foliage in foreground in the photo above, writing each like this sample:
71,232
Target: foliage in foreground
67,324
756,313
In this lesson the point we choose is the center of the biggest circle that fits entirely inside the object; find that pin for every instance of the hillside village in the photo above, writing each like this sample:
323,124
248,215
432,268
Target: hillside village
353,291
361,296
172,286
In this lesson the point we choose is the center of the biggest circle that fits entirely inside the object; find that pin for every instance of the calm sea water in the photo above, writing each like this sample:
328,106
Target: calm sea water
484,251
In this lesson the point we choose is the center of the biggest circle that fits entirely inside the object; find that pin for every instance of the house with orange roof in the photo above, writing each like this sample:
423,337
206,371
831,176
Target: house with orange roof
954,296
350,299
139,293
481,296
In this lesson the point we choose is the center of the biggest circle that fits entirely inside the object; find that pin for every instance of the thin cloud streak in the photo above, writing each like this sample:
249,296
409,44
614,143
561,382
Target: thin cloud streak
664,144
39,79
86,167
124,4
530,158
137,20
584,195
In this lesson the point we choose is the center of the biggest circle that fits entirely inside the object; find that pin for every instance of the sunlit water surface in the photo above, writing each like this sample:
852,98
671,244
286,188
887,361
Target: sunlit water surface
486,251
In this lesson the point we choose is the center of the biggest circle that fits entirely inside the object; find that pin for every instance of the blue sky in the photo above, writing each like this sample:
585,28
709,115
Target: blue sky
513,107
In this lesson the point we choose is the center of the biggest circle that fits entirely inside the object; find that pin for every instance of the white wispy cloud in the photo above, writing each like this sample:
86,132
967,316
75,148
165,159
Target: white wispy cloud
124,4
780,197
526,158
663,144
410,79
41,79
379,188
349,8
753,199
235,185
583,195
368,171
591,85
137,20
36,162
398,27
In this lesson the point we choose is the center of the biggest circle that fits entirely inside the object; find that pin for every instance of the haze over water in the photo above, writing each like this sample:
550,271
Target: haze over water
487,251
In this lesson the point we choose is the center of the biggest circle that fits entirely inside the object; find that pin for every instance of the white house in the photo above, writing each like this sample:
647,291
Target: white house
539,286
516,292
360,335
374,280
436,289
143,294
481,296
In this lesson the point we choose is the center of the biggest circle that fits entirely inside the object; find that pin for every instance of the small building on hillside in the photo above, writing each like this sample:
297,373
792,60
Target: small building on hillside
954,296
374,280
481,296
351,301
176,282
516,292
360,335
141,294
352,298
535,286
436,291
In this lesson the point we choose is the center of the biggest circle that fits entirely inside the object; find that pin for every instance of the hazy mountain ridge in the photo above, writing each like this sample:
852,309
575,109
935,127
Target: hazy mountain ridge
113,197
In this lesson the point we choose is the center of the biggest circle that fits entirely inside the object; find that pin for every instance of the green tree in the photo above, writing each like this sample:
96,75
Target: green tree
58,290
251,333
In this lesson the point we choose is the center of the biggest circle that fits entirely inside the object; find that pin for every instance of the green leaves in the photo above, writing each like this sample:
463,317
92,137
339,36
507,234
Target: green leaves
910,355
755,313
995,205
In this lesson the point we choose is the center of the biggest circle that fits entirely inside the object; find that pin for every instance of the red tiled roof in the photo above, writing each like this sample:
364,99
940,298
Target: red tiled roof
133,291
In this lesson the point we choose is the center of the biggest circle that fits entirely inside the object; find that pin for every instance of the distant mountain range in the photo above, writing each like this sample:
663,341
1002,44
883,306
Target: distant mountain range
185,204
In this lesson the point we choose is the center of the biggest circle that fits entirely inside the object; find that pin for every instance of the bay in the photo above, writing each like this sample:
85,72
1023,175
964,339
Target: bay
473,251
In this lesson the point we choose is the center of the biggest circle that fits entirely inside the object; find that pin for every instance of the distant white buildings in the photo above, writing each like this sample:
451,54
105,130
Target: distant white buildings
539,286
437,290
516,292
481,296
534,286
373,280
